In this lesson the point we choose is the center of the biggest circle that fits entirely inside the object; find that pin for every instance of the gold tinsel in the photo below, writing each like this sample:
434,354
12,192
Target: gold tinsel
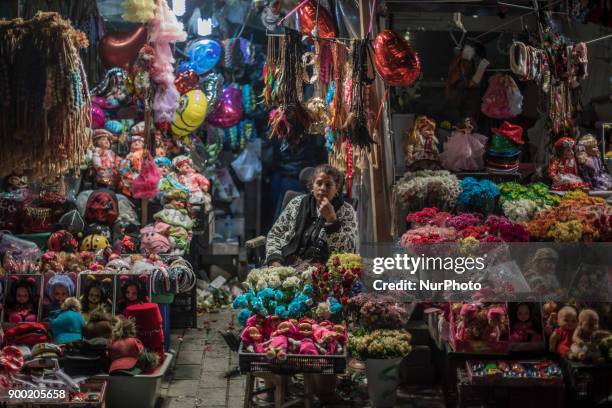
44,97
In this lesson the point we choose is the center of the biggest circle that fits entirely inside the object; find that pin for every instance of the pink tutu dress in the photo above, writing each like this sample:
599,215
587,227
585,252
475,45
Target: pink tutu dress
464,151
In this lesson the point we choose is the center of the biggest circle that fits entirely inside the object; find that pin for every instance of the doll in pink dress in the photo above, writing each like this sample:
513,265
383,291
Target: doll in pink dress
197,184
21,304
422,143
464,150
104,160
563,169
590,165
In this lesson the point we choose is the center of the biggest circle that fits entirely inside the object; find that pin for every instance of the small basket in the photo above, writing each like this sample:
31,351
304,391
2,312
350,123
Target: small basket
294,364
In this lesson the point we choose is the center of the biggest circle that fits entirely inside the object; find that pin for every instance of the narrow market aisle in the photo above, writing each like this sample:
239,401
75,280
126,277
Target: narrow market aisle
203,358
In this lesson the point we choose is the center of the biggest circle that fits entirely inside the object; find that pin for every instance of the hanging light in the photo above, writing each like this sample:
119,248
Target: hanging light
205,26
178,7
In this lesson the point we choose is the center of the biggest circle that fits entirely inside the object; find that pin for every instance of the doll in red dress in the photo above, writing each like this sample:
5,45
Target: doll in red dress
561,339
197,184
104,160
563,169
21,303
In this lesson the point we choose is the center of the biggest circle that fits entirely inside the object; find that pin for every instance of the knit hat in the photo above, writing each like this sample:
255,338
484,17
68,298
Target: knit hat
503,154
72,221
178,160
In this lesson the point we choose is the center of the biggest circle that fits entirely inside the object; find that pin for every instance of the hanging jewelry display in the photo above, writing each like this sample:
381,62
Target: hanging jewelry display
46,106
358,131
290,119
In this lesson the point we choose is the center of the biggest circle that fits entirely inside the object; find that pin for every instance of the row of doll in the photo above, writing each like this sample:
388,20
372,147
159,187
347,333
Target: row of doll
276,338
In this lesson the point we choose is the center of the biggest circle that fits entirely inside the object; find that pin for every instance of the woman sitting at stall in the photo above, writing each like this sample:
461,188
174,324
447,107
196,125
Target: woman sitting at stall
315,225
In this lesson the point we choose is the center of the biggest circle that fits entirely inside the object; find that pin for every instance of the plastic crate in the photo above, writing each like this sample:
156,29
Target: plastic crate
294,364
138,391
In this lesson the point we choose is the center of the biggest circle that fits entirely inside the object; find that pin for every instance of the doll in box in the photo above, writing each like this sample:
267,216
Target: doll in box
524,326
93,296
563,169
133,292
21,304
561,339
104,160
586,337
59,288
496,319
590,165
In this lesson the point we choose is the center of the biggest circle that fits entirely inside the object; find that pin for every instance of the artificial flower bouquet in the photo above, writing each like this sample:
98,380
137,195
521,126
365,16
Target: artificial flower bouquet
277,338
428,188
429,216
478,195
274,291
381,344
378,311
339,279
521,203
479,328
578,217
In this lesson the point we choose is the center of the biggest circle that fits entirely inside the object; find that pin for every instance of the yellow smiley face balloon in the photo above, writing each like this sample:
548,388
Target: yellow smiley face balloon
190,113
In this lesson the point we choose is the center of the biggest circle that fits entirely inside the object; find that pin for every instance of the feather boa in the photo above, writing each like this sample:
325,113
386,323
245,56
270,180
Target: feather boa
138,11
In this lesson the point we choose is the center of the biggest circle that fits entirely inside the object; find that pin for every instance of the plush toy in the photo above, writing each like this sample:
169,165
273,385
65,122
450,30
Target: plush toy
252,339
584,341
154,239
495,317
465,328
561,339
276,348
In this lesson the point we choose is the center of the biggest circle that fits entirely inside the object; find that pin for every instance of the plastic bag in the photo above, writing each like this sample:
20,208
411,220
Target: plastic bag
247,165
225,190
502,99
18,255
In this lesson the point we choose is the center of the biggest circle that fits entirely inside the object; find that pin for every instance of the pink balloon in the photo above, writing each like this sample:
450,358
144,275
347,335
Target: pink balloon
97,116
230,110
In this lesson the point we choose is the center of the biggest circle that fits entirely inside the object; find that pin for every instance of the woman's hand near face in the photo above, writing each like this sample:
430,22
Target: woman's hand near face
326,209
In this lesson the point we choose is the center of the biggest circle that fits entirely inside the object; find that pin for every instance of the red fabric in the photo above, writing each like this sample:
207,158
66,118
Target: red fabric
27,334
510,131
148,325
565,342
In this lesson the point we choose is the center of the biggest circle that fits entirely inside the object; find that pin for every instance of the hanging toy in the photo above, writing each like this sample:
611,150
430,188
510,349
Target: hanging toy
190,114
248,99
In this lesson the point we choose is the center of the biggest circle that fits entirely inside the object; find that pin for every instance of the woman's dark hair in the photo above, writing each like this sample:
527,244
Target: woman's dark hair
328,170
85,295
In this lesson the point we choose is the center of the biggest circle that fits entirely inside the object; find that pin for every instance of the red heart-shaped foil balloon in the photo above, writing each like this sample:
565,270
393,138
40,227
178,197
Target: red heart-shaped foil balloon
396,61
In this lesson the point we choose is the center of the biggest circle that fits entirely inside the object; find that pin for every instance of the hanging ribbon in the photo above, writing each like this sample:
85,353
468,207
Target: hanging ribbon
292,12
372,14
380,108
349,169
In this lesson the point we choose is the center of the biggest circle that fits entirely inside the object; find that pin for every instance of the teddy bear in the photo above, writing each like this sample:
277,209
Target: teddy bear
585,339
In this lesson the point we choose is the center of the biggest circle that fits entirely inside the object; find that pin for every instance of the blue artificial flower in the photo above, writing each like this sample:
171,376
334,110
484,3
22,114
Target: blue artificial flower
278,295
265,294
334,305
249,295
281,311
257,305
243,315
272,305
308,289
357,287
240,302
295,309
